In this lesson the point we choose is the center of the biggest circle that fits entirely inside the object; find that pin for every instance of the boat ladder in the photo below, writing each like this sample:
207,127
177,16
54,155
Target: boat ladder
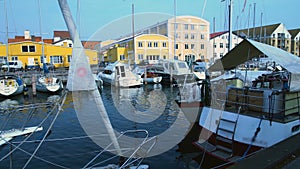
225,134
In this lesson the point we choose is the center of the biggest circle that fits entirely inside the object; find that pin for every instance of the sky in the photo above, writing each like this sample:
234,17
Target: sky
109,19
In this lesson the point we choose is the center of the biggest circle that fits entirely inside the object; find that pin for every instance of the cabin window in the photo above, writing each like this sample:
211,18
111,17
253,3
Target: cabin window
122,71
295,128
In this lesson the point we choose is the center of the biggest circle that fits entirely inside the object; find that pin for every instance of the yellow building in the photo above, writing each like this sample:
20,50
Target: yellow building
147,48
191,37
30,53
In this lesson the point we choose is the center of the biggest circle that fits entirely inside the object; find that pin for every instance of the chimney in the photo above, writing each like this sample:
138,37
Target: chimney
27,34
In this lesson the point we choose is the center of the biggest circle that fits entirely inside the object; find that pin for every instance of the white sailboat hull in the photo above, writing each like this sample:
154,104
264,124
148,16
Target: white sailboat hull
51,86
10,87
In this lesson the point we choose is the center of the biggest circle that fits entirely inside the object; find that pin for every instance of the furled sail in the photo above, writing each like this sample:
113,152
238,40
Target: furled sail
80,74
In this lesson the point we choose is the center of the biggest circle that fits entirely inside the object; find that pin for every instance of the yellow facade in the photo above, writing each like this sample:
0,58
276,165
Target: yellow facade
147,48
30,54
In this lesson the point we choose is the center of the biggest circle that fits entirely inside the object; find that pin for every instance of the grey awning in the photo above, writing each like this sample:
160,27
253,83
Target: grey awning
249,49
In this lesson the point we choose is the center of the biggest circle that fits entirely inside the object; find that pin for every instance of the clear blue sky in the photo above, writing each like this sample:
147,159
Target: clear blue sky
99,15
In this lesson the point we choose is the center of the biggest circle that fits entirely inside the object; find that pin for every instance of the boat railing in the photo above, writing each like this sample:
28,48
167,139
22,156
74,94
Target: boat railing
274,103
135,154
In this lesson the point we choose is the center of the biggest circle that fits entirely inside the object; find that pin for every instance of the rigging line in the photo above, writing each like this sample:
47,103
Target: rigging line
59,110
64,139
42,122
39,158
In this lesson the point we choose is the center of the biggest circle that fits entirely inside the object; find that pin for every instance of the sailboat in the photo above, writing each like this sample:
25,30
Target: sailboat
48,82
10,85
90,109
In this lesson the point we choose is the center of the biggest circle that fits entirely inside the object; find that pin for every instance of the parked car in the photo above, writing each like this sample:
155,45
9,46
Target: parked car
13,66
49,66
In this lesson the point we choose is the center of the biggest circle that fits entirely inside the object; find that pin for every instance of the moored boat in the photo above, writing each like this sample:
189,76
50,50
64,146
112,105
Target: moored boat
244,119
148,77
10,85
48,82
119,74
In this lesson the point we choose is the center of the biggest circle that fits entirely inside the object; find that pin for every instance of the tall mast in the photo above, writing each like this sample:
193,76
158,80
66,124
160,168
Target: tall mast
6,33
40,24
133,43
174,29
230,25
254,22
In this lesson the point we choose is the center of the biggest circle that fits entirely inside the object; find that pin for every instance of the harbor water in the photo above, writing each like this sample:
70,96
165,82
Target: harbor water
68,145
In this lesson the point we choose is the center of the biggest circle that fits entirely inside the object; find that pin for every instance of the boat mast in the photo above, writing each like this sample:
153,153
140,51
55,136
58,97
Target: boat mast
133,42
42,41
230,25
6,34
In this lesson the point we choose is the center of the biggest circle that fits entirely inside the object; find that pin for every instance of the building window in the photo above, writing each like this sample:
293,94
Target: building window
221,55
122,57
186,46
155,44
192,46
176,46
202,46
14,58
192,36
186,26
69,58
152,57
149,44
70,45
140,56
28,48
202,36
215,45
55,59
192,27
221,45
175,57
186,36
140,44
164,44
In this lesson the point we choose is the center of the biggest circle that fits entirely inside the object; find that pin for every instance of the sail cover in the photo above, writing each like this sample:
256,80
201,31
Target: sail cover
249,49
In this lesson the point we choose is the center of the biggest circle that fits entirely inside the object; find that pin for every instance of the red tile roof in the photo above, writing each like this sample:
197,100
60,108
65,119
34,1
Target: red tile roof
62,34
216,34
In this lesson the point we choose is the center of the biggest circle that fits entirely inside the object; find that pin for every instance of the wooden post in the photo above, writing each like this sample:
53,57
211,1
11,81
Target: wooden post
33,86
145,75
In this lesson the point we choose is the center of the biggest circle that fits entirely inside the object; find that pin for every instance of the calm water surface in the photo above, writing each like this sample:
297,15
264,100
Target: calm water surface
78,151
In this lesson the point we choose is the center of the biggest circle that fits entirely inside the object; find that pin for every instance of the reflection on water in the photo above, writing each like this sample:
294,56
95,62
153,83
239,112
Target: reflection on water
70,142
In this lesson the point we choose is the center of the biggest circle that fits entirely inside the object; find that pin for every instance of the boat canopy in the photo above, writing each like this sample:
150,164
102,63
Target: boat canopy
249,49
